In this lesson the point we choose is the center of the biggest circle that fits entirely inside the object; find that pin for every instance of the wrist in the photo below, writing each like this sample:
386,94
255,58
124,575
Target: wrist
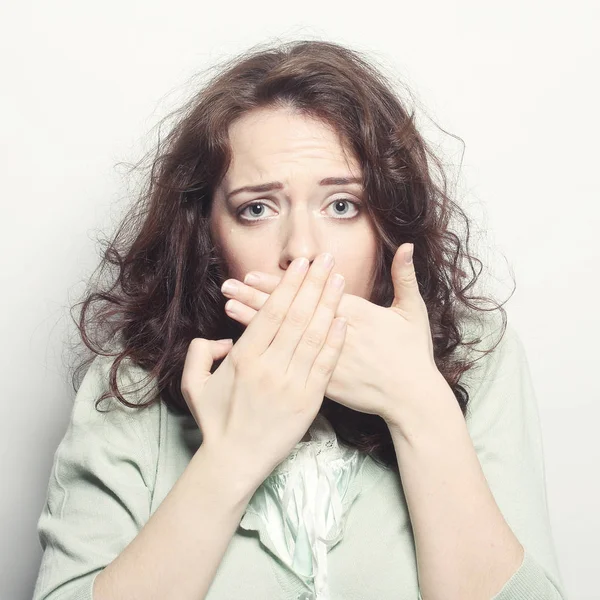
230,470
433,406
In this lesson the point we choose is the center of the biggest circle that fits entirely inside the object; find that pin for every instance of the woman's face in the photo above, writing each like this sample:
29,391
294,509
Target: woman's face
297,213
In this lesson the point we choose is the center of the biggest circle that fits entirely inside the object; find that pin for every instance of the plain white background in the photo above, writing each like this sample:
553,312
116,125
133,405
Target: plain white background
84,83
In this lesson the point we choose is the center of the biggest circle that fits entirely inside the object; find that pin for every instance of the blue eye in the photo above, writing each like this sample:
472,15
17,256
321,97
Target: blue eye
342,201
336,203
252,206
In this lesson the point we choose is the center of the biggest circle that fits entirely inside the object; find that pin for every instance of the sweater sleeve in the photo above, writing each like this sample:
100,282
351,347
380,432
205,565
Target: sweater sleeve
100,487
504,425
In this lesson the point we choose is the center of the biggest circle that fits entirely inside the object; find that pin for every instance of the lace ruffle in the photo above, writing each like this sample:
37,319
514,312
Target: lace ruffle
300,510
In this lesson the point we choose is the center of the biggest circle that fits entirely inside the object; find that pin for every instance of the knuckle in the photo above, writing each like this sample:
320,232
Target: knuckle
409,278
269,379
324,368
313,339
298,318
254,297
317,280
274,314
249,368
198,344
185,386
236,358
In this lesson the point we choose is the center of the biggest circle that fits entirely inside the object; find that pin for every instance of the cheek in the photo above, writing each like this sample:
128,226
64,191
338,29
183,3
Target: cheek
365,282
359,270
242,254
229,246
365,264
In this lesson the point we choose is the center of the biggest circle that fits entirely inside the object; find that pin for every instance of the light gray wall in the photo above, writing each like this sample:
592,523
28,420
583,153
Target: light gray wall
84,83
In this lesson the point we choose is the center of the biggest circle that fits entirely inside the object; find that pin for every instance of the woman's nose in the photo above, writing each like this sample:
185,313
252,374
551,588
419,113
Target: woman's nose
301,238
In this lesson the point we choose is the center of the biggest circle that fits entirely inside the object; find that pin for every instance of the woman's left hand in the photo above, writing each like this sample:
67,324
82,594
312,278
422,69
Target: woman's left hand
387,365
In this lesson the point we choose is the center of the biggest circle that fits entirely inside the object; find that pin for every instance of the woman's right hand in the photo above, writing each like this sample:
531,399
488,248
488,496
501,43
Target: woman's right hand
265,395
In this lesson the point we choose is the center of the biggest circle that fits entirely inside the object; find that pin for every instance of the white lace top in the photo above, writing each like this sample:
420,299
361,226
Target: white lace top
300,510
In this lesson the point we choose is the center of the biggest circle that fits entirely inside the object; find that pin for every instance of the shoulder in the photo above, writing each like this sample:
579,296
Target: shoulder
110,426
135,384
500,367
491,340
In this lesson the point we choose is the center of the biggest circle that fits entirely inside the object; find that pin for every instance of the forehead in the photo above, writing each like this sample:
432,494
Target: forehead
266,142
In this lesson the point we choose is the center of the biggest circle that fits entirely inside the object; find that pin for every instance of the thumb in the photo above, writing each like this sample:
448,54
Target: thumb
220,348
201,355
404,278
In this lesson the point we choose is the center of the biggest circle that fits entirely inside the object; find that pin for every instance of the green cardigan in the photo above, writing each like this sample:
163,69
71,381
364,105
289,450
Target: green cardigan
111,471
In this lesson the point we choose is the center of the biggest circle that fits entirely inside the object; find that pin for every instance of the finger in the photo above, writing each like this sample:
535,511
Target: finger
264,327
300,312
262,281
407,296
316,333
245,294
327,359
240,312
255,299
201,355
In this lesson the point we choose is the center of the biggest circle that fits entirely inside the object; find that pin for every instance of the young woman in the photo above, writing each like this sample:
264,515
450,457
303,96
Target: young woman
365,430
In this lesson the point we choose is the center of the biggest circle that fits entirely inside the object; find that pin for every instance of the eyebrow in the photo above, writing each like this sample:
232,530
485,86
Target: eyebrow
277,185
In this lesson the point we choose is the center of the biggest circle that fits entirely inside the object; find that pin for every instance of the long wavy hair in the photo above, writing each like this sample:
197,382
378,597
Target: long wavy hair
165,286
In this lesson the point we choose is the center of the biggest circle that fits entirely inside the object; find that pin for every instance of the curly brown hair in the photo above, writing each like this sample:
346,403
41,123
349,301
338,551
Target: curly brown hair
168,273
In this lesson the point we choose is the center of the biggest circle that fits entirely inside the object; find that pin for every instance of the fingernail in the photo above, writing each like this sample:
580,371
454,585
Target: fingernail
230,307
408,255
229,287
301,264
251,279
337,280
327,259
